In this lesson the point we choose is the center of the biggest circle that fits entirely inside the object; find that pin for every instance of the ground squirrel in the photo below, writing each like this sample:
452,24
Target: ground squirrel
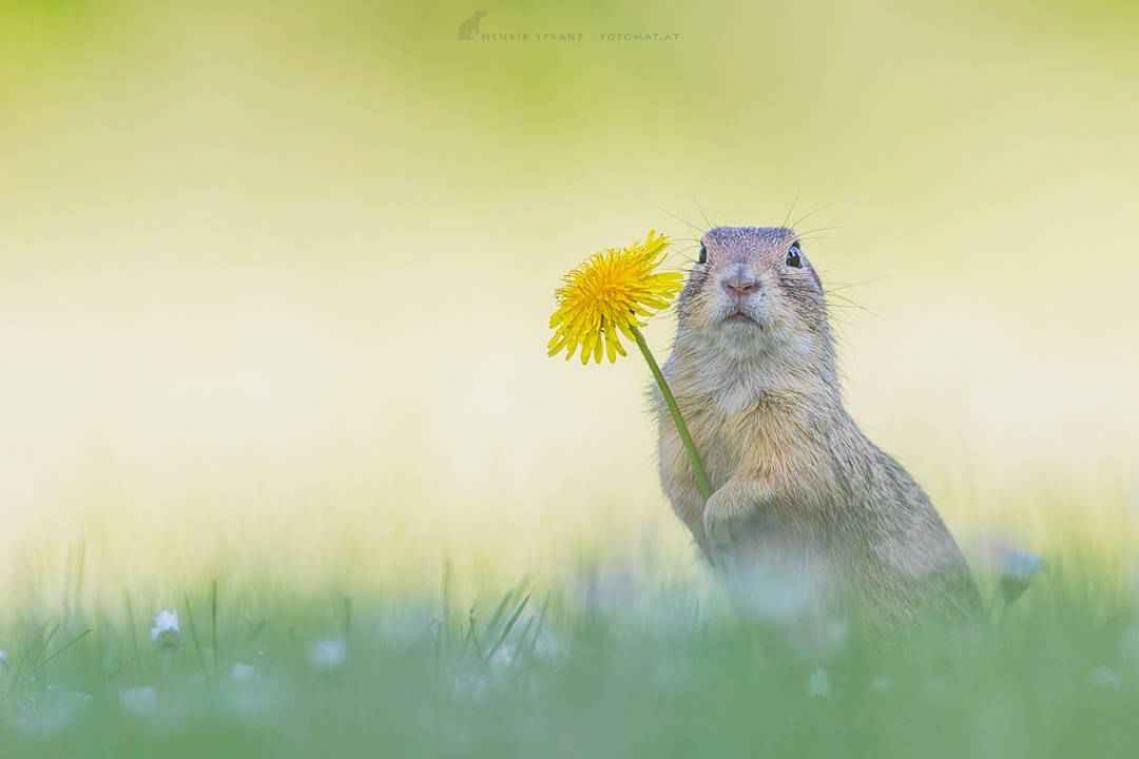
795,482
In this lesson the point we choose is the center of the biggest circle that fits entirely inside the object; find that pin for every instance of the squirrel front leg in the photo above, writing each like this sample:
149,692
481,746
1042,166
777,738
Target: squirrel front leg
732,511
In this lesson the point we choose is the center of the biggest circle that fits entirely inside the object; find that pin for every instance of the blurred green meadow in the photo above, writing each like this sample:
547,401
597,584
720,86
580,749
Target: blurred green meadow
619,671
274,282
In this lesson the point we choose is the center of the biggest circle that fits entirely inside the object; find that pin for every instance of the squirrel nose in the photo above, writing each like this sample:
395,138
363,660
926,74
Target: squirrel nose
740,285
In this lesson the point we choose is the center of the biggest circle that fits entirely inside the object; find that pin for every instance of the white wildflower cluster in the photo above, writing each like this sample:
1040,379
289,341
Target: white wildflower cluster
330,653
242,673
881,684
165,632
1105,677
141,701
50,711
1015,567
793,601
819,684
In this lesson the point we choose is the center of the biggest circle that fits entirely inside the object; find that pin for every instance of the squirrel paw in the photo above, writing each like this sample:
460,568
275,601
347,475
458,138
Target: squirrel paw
730,513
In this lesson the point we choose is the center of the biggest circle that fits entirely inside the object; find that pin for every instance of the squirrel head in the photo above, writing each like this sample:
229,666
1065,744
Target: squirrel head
753,294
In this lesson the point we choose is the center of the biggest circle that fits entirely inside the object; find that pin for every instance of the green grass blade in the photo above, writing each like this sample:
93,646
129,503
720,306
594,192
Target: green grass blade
214,622
43,663
194,637
509,626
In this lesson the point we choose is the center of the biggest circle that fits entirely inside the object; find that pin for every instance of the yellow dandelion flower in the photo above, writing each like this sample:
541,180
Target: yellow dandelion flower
608,296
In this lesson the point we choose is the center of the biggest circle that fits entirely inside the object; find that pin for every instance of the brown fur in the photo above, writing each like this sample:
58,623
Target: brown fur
795,482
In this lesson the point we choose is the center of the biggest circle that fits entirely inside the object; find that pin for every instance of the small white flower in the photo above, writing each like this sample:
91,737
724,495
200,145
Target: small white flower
770,590
1015,567
141,701
50,711
473,685
817,636
165,631
547,645
3,659
1106,678
1020,564
506,656
881,684
242,673
328,654
819,684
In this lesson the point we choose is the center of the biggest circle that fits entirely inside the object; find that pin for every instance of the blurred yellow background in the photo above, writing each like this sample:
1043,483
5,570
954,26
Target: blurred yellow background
274,279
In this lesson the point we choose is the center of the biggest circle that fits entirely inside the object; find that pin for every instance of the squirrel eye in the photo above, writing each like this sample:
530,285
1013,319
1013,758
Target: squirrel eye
703,255
794,256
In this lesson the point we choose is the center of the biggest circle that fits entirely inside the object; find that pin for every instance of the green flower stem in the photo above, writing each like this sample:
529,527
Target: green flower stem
673,409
